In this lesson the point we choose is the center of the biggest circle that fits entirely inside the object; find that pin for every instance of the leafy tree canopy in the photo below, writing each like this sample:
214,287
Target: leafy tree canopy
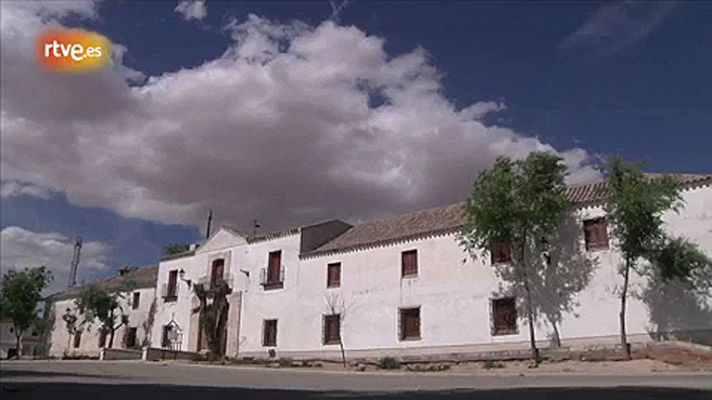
175,248
20,293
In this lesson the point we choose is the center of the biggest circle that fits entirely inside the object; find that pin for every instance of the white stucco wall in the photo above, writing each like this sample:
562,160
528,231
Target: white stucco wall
454,293
61,342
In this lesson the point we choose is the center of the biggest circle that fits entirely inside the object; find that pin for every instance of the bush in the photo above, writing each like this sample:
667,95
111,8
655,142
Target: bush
489,364
428,368
388,363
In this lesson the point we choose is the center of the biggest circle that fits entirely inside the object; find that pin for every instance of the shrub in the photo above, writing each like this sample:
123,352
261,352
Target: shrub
489,364
388,363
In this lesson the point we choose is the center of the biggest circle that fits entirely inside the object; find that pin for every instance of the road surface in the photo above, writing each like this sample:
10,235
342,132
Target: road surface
131,380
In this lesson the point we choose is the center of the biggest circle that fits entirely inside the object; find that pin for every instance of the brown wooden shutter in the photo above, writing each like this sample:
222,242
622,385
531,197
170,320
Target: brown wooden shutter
501,253
172,283
505,316
217,271
333,273
596,234
136,300
409,263
410,323
274,267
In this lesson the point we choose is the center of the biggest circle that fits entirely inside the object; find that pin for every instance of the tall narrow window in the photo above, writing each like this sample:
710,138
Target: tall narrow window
504,316
77,339
136,300
274,267
501,253
333,275
172,288
409,323
131,334
217,271
409,263
332,329
269,333
595,232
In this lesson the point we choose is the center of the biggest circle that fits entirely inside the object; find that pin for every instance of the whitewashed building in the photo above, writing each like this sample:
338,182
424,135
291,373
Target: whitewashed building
403,286
87,339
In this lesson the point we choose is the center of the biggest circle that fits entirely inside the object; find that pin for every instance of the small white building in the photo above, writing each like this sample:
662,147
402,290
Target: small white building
404,286
136,287
31,341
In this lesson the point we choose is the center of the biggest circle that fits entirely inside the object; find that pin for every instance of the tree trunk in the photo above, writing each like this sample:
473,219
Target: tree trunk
624,298
18,342
111,337
557,337
343,353
530,308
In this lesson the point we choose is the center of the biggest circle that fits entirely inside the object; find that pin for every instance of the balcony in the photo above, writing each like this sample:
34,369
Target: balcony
208,282
270,281
169,292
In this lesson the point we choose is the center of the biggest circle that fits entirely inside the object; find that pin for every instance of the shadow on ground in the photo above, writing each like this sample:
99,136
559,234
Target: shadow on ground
61,391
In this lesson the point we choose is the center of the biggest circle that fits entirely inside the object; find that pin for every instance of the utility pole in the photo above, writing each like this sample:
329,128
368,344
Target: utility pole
75,262
210,221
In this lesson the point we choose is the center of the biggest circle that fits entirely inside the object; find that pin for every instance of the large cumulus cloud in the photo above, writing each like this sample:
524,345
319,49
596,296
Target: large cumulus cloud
292,124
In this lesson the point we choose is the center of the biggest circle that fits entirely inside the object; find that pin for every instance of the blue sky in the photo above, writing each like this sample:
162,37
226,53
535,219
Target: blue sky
602,78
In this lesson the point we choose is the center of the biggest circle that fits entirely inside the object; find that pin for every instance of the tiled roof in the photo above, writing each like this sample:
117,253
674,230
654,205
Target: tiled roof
137,278
448,219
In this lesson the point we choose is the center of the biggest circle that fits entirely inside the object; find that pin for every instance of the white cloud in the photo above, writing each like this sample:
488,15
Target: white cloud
192,9
292,124
617,26
13,189
26,249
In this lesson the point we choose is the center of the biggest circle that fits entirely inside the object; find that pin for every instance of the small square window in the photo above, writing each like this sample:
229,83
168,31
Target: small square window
332,329
409,263
409,319
501,253
595,233
269,333
504,316
333,275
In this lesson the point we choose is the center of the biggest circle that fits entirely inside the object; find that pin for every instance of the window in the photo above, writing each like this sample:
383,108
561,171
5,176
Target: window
269,332
172,285
272,277
77,339
131,337
332,329
165,338
102,337
409,321
217,271
501,253
333,275
409,263
504,316
595,232
136,300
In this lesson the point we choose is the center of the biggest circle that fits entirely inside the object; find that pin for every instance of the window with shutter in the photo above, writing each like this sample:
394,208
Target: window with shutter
504,316
269,338
595,234
131,334
501,253
332,329
172,285
333,275
409,323
217,271
409,263
165,341
136,300
273,269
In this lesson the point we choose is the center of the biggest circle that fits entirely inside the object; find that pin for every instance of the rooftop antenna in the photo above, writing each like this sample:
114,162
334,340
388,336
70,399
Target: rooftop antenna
210,220
75,262
255,225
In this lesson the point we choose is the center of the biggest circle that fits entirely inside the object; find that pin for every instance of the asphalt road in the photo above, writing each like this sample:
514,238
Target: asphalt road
133,380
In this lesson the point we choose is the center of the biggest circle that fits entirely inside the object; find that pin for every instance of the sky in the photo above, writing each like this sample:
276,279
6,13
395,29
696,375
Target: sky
294,112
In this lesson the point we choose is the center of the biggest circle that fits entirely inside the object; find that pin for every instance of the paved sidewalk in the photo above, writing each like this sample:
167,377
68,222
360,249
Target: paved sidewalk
136,372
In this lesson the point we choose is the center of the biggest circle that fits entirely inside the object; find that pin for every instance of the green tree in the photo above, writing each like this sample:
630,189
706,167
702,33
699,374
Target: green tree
634,209
519,203
19,295
174,248
213,313
98,304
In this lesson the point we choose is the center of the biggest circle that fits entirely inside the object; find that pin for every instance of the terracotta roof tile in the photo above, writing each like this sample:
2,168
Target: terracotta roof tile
448,219
138,278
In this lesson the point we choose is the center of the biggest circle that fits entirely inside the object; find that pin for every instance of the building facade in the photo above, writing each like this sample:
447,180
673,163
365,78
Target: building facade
137,294
404,286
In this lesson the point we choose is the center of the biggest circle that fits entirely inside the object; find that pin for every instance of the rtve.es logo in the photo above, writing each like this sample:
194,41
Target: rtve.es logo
73,50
